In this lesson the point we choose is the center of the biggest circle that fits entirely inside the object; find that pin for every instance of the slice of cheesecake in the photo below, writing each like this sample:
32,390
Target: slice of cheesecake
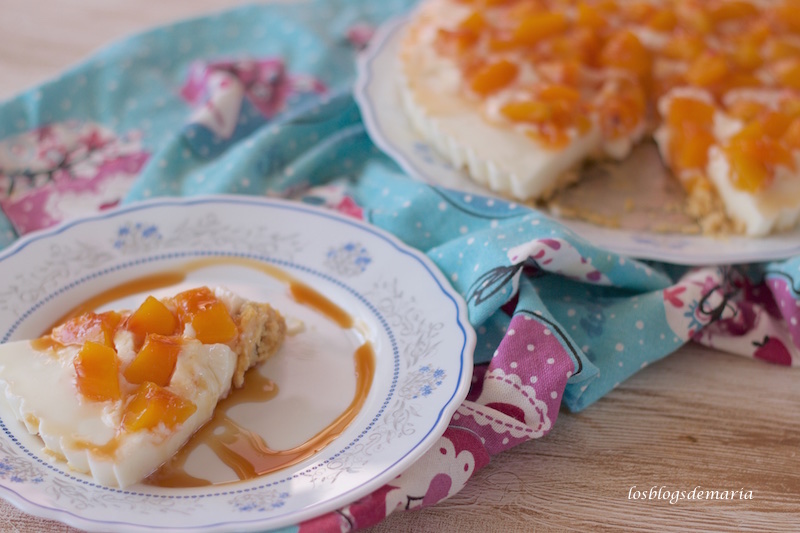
116,394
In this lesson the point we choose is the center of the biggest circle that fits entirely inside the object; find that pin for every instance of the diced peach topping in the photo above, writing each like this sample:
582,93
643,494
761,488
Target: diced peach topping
617,117
620,112
691,122
527,111
781,47
692,17
708,69
745,110
683,46
746,54
493,77
562,72
519,10
588,16
791,138
791,105
557,92
757,149
624,51
455,42
580,44
684,109
151,405
208,316
753,162
577,48
554,111
787,72
637,10
662,20
475,22
740,79
153,317
155,361
728,10
788,13
689,147
213,324
97,372
95,327
539,26
775,124
97,364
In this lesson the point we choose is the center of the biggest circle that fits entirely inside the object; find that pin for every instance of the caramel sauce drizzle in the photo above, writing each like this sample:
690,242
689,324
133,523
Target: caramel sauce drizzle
243,450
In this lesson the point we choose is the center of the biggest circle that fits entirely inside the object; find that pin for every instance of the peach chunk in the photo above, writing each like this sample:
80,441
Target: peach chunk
792,135
683,47
747,54
663,20
493,77
474,22
539,26
151,405
208,316
95,327
749,174
625,51
589,17
155,361
683,109
788,12
689,147
732,10
620,113
214,324
708,69
527,111
97,368
745,110
787,72
455,42
691,122
753,161
781,47
153,317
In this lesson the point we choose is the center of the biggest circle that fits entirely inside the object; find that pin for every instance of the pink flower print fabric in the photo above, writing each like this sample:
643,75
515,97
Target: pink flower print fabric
233,98
761,321
64,170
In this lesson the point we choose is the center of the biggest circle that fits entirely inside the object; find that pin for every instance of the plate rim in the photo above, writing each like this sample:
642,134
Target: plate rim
467,341
630,247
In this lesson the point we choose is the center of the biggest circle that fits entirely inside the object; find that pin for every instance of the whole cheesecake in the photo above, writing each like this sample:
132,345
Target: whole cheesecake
520,93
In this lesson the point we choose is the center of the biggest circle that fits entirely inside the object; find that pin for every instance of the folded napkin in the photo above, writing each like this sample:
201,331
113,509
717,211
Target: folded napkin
258,101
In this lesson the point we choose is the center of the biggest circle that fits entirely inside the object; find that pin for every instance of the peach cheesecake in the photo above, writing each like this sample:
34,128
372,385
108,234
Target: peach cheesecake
520,93
116,394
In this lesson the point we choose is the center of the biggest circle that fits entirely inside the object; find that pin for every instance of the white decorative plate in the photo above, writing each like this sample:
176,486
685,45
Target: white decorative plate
416,323
378,98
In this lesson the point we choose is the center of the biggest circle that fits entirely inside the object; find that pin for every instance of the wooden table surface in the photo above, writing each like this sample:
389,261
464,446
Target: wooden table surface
697,418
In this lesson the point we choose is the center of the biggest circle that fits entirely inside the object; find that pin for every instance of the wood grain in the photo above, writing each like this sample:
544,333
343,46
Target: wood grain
697,418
